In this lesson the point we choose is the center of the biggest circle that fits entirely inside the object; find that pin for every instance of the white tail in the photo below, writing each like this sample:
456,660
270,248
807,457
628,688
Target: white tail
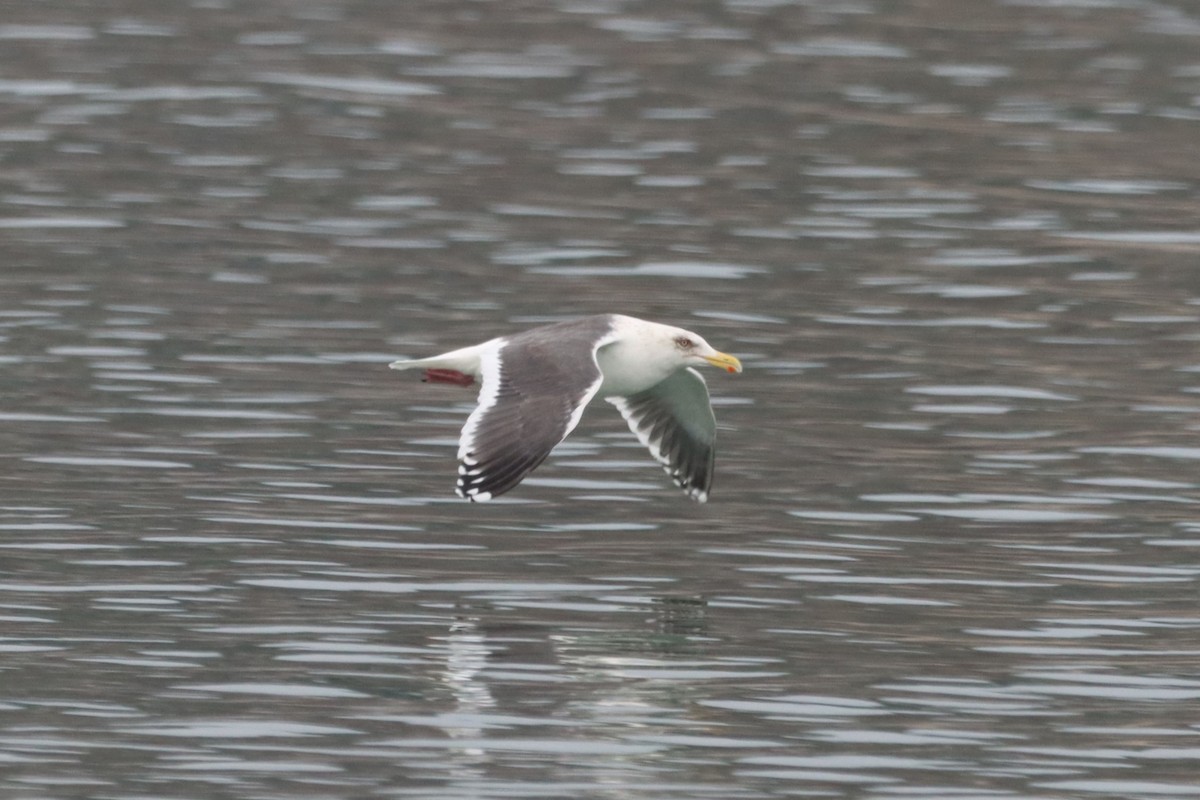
464,360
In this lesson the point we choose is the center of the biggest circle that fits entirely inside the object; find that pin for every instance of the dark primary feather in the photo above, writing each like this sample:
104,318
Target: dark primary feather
545,375
674,420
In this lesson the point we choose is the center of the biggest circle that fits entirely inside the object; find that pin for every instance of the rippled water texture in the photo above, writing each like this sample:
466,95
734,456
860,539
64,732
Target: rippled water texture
953,550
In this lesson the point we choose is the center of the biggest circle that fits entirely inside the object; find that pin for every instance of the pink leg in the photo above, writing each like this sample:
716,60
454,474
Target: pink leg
448,376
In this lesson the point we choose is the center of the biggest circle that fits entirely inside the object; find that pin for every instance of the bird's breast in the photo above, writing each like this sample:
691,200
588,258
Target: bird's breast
628,369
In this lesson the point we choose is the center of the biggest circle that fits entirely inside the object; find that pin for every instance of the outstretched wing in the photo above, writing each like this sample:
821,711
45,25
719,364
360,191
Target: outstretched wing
674,420
533,392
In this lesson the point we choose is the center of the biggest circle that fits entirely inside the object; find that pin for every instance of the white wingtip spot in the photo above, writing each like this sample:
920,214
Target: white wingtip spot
464,490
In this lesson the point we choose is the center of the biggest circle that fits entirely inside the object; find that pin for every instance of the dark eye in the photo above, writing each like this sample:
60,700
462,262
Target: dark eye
684,343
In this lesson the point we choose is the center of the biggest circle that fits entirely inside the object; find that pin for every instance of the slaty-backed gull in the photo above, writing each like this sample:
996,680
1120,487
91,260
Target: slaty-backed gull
535,385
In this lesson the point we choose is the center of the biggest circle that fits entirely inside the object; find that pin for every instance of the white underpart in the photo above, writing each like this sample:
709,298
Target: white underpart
638,355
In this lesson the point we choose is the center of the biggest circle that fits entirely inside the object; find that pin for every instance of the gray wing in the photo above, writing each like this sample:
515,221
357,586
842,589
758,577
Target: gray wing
532,395
674,420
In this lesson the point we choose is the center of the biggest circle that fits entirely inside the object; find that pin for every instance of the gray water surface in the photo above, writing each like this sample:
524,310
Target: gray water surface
953,549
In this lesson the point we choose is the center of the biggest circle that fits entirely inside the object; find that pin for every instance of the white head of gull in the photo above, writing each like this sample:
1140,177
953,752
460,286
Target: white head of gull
535,385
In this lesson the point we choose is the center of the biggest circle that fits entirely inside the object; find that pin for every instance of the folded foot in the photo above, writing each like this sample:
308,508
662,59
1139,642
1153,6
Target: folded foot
452,376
